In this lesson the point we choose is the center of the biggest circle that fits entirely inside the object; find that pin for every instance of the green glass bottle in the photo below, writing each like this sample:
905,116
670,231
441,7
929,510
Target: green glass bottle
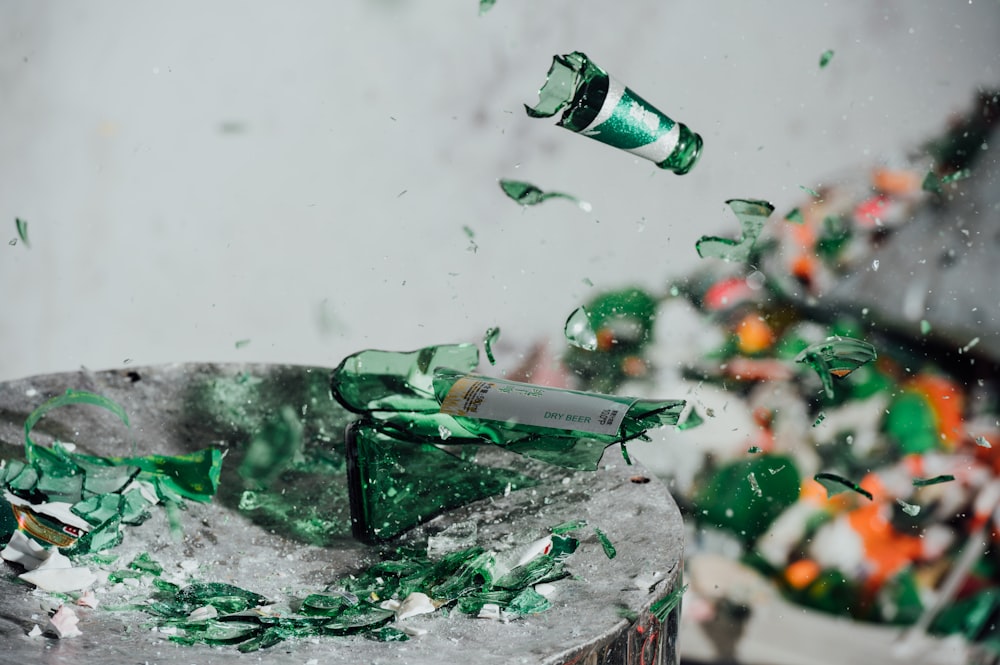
598,106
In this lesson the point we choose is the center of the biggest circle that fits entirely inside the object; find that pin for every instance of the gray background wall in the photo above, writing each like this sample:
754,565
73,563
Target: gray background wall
299,174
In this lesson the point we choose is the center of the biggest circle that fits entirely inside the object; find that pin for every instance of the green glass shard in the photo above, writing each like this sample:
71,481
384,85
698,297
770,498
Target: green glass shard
579,331
395,481
810,191
241,343
567,527
836,357
925,326
489,339
98,509
527,194
598,106
795,216
529,601
936,480
22,231
397,381
825,58
225,598
609,548
662,608
908,508
472,576
753,449
146,564
693,420
935,183
485,6
388,633
835,484
541,568
820,417
752,214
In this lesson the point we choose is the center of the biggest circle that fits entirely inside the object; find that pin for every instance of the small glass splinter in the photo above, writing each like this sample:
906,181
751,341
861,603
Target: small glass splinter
579,330
596,105
825,58
528,195
752,215
936,480
835,484
836,357
489,339
22,230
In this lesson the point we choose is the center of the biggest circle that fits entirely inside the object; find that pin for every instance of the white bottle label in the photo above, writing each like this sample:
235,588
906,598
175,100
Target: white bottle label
508,401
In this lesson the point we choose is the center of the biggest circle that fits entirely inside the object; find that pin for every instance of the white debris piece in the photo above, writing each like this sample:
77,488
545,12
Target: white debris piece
413,631
539,547
35,632
25,551
490,611
88,599
203,613
63,623
60,580
414,604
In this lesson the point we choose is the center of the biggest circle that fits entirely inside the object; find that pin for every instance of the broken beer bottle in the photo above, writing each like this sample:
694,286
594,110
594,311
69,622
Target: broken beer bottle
598,106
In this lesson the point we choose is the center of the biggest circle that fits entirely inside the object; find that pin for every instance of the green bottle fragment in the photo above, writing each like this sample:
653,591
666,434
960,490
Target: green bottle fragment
662,608
529,601
836,357
527,194
395,480
825,58
543,568
551,423
753,450
609,548
752,214
397,381
835,484
22,231
146,564
475,574
820,417
925,326
810,191
934,183
795,216
567,527
388,634
241,343
489,339
596,105
936,480
485,6
693,420
579,331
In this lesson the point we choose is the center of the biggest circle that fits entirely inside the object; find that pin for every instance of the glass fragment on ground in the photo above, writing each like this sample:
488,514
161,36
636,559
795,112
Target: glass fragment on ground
596,105
527,194
752,214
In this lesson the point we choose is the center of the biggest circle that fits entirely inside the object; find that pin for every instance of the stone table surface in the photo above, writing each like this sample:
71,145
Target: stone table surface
184,407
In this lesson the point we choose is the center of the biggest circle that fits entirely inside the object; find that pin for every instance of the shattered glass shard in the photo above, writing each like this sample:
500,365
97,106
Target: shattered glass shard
489,339
579,330
596,105
908,508
752,214
936,480
527,194
485,6
795,216
836,357
825,58
609,548
835,484
22,231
